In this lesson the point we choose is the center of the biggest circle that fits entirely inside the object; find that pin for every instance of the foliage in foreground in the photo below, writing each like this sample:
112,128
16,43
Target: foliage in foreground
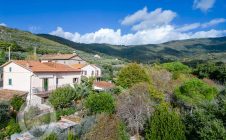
100,102
165,125
194,92
131,74
16,102
62,97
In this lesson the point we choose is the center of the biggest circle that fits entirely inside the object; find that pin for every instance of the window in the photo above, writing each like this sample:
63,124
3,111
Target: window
10,82
85,72
92,73
75,80
10,69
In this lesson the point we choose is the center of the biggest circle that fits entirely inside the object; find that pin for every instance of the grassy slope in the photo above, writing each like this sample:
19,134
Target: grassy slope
185,50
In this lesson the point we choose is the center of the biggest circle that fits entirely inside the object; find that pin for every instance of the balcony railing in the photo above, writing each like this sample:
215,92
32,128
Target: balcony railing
36,90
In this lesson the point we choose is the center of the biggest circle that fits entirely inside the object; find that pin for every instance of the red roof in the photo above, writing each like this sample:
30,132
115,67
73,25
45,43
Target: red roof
36,66
103,84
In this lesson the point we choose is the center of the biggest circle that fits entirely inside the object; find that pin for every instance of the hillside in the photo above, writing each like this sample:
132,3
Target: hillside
184,50
24,43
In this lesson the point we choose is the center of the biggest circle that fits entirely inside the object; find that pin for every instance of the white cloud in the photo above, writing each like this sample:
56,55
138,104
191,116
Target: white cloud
142,19
3,24
150,28
150,36
189,27
213,22
203,5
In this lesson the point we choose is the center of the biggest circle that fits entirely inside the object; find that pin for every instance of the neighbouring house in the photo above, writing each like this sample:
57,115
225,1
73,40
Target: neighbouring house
97,56
88,70
102,85
67,59
38,78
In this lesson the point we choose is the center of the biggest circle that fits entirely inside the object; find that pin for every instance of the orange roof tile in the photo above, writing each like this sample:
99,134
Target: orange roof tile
57,56
103,84
36,66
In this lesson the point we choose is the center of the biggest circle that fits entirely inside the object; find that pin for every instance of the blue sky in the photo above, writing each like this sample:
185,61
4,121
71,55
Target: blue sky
117,21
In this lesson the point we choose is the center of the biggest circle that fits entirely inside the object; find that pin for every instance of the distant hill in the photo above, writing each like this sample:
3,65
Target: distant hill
24,42
183,50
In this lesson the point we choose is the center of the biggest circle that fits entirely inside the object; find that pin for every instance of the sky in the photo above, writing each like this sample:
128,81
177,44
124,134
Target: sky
119,22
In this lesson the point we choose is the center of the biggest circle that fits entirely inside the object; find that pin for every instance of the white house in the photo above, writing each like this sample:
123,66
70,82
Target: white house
67,59
37,77
88,70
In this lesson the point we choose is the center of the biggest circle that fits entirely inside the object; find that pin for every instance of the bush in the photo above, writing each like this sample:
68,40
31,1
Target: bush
165,125
16,102
194,92
176,68
203,123
130,75
4,114
62,97
12,128
65,111
100,102
51,136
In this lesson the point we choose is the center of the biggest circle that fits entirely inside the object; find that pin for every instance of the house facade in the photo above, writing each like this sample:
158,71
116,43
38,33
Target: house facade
67,59
36,77
88,70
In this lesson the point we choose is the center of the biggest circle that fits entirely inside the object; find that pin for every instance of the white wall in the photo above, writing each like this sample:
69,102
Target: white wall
74,60
88,69
22,78
19,75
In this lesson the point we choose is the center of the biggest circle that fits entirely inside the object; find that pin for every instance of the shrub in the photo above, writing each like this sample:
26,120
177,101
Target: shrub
51,136
165,125
62,97
204,123
65,111
131,74
193,92
106,128
16,102
176,68
100,102
4,114
12,128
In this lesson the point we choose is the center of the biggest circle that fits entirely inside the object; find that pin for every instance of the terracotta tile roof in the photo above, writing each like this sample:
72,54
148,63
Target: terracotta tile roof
36,66
9,94
57,56
78,66
103,84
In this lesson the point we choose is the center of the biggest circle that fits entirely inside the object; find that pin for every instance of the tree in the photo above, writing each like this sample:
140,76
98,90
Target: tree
131,74
194,92
16,102
134,107
165,124
100,102
62,97
4,114
177,68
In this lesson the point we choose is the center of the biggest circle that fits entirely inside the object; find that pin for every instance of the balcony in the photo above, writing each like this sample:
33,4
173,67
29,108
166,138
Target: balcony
45,90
